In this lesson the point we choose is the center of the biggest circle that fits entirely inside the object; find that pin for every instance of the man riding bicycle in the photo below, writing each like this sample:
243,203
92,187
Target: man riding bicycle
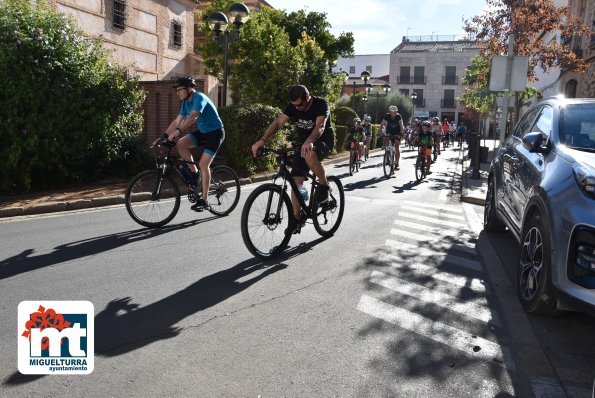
392,124
312,116
197,108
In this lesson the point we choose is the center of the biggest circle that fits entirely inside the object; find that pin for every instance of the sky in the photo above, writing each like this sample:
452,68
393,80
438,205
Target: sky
379,25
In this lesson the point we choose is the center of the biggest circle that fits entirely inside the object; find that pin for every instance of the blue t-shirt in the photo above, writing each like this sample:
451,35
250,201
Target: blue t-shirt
209,119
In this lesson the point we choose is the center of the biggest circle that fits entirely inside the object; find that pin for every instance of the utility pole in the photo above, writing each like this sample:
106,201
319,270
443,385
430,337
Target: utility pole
507,81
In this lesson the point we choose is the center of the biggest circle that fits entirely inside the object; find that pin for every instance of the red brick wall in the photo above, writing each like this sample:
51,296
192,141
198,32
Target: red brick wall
161,107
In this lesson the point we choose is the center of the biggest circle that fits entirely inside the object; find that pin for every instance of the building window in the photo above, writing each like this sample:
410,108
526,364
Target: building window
119,14
419,76
351,70
450,76
404,75
369,69
449,99
176,34
420,101
404,91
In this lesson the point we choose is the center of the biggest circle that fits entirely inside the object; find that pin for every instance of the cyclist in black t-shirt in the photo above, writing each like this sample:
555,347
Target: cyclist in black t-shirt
312,116
392,123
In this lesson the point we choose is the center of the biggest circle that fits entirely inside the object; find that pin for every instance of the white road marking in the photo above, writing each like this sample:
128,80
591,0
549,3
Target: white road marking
432,220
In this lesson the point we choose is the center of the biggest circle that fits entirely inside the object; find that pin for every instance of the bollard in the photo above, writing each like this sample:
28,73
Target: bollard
475,157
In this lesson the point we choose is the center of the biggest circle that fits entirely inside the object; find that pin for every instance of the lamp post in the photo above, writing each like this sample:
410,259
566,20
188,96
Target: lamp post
413,99
384,93
218,22
365,75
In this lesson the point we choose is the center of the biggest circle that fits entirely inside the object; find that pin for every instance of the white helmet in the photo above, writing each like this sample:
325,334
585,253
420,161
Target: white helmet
393,108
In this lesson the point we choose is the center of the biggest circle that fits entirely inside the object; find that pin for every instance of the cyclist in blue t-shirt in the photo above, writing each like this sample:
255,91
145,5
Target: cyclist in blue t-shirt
197,108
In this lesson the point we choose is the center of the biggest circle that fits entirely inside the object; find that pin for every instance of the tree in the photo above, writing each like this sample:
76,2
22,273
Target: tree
266,61
67,112
529,21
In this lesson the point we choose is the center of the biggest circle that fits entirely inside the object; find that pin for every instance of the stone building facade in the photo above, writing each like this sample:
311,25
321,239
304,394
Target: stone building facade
433,70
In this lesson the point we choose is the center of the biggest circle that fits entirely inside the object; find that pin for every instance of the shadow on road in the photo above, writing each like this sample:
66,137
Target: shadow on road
124,326
25,262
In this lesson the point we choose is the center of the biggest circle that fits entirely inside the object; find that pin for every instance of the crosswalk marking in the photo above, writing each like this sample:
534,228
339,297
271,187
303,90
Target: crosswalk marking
441,214
431,220
427,239
437,255
471,309
474,284
469,344
455,209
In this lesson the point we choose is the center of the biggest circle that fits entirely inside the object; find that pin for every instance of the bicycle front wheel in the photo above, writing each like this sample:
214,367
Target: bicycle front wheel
224,191
419,169
387,164
352,161
267,221
152,199
328,215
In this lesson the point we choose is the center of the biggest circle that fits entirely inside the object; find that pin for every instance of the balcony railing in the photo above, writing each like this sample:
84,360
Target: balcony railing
448,103
450,80
411,79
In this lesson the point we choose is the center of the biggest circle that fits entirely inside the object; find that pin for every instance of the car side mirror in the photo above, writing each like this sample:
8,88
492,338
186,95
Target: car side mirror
533,142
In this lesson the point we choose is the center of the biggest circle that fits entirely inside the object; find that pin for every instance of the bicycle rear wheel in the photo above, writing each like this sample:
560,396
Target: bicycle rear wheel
267,222
224,191
329,214
352,161
152,199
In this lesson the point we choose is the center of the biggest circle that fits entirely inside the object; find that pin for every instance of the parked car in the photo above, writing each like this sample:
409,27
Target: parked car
541,186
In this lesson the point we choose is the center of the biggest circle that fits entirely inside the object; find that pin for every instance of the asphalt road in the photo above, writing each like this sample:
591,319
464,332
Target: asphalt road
397,303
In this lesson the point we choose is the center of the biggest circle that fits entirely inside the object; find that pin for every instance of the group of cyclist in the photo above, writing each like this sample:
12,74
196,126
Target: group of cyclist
426,134
199,120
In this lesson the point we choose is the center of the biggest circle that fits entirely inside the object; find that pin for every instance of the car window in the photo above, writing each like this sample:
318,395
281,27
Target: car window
577,126
525,124
544,122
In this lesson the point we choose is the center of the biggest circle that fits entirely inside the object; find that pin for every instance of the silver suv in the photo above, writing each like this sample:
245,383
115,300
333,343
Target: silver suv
541,186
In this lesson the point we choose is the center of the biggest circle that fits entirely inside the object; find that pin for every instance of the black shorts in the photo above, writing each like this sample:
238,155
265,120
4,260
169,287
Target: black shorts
211,140
394,137
321,148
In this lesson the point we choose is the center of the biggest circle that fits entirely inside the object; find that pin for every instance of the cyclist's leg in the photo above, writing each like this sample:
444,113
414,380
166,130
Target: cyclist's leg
397,143
184,145
368,140
298,172
212,141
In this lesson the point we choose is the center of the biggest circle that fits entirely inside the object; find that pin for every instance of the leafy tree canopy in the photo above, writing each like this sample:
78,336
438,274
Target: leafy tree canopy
529,21
273,53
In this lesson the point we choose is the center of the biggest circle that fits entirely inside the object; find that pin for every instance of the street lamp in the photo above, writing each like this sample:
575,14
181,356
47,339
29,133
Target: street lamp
384,93
218,23
413,99
365,75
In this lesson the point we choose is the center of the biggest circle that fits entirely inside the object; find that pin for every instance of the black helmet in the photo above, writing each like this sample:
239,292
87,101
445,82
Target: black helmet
426,123
187,81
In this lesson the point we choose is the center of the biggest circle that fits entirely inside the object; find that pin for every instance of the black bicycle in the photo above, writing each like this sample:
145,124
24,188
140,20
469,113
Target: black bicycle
354,161
153,196
267,219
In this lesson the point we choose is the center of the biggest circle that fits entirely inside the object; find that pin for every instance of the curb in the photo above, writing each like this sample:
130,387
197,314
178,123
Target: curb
81,204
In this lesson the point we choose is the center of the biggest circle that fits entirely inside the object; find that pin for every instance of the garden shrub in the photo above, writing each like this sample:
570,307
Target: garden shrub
67,112
341,133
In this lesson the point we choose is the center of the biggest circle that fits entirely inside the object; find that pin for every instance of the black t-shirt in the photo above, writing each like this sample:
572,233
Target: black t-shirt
393,126
305,121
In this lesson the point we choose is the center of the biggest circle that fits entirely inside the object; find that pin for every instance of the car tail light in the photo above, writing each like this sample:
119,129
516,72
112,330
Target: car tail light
581,258
585,177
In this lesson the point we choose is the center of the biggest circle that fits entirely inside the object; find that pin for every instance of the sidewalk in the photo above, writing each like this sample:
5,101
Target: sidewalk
474,190
105,193
111,192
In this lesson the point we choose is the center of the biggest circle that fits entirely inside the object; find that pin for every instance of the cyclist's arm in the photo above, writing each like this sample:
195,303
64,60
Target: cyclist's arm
275,126
316,133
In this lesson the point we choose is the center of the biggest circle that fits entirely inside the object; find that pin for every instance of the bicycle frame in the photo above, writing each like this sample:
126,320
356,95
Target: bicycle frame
288,178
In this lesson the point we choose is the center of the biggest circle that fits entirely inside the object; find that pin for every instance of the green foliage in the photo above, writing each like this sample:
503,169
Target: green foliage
344,116
66,112
377,106
267,60
341,137
244,125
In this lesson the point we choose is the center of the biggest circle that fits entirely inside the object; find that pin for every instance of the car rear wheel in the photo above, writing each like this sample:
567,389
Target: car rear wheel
491,222
534,273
